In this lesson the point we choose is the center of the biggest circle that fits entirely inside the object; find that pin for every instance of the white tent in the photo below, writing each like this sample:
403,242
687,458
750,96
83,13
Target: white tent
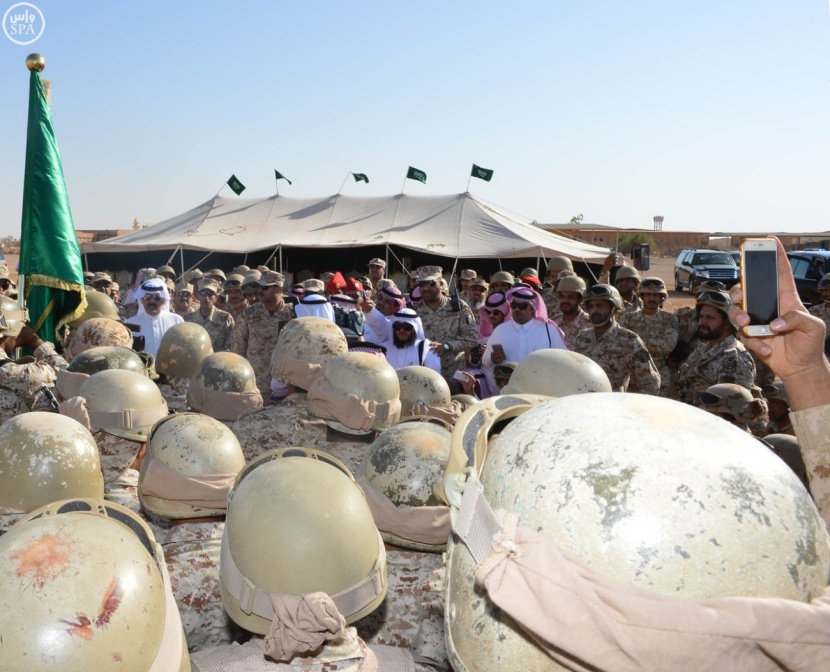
457,225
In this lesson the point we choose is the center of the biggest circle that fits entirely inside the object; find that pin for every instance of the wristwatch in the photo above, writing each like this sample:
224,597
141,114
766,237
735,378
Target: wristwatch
446,347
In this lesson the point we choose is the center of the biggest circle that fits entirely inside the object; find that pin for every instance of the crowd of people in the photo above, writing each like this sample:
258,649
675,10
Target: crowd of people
280,453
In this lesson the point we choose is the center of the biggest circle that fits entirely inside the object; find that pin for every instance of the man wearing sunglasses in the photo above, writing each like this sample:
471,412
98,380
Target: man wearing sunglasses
719,357
408,346
154,317
448,323
183,299
6,285
218,323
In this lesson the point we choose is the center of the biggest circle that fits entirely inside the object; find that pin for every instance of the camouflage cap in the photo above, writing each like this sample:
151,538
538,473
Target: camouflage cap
377,262
271,279
479,282
468,274
101,277
426,273
209,284
184,287
314,285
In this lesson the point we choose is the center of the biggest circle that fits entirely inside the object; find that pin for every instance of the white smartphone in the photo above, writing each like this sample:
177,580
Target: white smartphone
759,280
460,376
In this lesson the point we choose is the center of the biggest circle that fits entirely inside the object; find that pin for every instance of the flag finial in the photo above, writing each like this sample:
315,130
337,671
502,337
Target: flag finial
35,62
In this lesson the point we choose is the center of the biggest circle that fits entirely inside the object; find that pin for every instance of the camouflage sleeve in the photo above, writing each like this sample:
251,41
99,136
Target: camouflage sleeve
645,378
466,336
812,428
662,344
46,353
240,337
230,334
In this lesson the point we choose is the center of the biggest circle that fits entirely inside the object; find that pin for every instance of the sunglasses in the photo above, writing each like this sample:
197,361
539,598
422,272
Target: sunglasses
184,295
152,297
427,283
208,295
491,311
403,326
519,305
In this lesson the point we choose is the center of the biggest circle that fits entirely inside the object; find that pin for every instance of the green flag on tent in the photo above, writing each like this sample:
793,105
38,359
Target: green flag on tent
50,259
360,177
482,173
279,176
415,174
236,186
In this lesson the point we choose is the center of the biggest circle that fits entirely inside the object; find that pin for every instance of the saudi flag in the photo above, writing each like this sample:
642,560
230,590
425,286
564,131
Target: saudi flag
50,259
482,173
236,186
279,176
415,174
360,177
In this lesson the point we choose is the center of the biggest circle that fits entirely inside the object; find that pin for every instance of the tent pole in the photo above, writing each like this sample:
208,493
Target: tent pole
280,249
86,260
181,259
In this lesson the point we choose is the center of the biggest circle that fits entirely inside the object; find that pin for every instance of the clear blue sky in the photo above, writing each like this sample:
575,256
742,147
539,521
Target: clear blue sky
713,114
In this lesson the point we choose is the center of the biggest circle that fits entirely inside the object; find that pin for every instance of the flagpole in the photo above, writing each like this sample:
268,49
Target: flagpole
344,182
468,182
404,183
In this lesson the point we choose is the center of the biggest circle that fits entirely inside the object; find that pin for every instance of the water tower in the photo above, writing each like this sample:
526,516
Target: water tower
658,222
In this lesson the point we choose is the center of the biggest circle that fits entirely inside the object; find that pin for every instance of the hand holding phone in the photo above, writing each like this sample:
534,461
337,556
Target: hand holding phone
759,282
498,355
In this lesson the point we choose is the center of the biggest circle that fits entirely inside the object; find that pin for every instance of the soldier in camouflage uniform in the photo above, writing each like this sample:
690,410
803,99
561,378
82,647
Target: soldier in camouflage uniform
720,357
183,300
549,294
619,352
570,317
198,448
448,323
218,323
258,330
657,328
236,302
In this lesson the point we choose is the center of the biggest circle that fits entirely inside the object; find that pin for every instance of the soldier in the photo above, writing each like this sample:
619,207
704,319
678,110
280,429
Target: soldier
224,387
218,323
233,291
732,403
720,357
778,404
102,282
377,271
448,323
250,287
464,278
620,352
627,281
555,266
656,327
571,319
191,463
475,295
258,330
168,274
183,304
501,282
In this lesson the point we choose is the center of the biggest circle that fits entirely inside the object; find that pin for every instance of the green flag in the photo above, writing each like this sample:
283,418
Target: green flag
236,186
482,173
415,174
279,176
360,177
50,259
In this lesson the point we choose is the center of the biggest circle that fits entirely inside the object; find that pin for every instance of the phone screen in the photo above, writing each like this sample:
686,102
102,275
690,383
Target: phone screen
761,276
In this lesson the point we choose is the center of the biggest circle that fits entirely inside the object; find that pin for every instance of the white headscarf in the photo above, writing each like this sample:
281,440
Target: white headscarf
153,286
314,305
409,315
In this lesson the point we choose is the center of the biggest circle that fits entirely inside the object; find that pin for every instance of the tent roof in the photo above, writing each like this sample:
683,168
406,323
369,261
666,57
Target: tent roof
455,225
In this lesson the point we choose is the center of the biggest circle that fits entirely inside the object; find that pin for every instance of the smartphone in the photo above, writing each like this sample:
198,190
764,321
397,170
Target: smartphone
498,347
759,280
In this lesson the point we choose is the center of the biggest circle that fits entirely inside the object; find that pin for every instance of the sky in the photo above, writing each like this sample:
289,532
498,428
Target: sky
712,114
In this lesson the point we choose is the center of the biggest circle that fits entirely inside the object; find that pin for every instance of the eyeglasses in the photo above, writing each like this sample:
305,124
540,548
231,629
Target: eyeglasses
184,295
403,326
492,311
152,297
208,295
427,283
520,305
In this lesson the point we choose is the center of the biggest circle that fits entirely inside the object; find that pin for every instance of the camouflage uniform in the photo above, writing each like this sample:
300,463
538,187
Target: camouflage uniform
27,379
191,551
763,374
724,362
174,390
234,313
256,336
120,481
12,404
412,614
219,325
623,356
289,424
551,301
686,323
194,308
659,332
571,331
454,327
812,426
822,311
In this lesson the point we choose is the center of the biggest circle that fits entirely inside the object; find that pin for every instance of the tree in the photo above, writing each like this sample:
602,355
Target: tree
576,220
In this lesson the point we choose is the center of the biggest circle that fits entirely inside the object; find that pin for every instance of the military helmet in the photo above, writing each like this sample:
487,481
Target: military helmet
403,465
224,386
11,310
786,447
604,292
123,403
161,270
825,280
182,349
560,264
732,399
98,304
357,392
653,285
422,388
46,457
624,272
98,331
298,523
106,357
719,300
571,283
189,446
673,499
304,347
557,373
97,592
709,286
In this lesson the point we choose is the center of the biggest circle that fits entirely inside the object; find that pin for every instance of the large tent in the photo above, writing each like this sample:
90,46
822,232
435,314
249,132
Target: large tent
460,226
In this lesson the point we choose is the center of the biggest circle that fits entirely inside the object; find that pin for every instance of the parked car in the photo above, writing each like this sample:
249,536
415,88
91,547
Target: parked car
808,267
736,255
695,266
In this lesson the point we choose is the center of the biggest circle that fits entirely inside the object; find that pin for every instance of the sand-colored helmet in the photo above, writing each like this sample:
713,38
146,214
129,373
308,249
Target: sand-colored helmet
719,300
298,523
106,357
466,400
357,392
224,387
190,464
161,270
303,349
571,283
422,388
624,272
123,403
11,310
653,285
182,349
46,457
557,373
96,332
97,592
98,304
732,399
403,465
786,447
659,494
560,264
604,293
